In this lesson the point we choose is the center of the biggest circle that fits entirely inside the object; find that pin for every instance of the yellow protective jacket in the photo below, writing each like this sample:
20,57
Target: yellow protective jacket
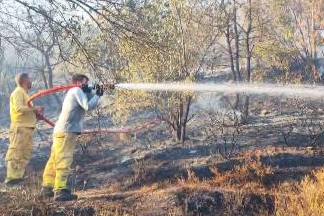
21,115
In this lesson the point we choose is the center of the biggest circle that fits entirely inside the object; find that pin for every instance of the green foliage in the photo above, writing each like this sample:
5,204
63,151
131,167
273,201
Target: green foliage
174,57
287,41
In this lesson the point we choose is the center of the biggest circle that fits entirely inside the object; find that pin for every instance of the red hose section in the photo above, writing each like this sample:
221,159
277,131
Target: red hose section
67,87
47,92
135,130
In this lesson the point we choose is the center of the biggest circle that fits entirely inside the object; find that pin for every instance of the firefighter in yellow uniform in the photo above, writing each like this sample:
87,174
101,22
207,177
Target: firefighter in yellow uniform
70,123
23,121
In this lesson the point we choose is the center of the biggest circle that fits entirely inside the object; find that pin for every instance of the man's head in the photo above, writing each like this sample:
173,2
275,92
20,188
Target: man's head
23,80
80,79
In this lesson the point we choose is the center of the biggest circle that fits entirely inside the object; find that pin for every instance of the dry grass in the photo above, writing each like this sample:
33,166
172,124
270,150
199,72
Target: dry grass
109,212
242,188
292,198
249,174
149,188
247,177
307,198
192,181
25,198
140,170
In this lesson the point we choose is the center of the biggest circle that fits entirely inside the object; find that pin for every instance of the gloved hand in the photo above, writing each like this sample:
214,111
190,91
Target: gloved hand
111,86
99,90
39,116
39,109
85,88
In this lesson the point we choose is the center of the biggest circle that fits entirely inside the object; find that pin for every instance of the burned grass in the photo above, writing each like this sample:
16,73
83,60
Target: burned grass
194,178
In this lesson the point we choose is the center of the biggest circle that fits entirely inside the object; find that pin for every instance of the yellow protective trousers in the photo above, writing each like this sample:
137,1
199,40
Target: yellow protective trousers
19,151
58,167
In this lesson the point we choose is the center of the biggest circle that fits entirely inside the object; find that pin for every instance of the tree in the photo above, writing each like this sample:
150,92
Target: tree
290,39
35,33
240,33
181,46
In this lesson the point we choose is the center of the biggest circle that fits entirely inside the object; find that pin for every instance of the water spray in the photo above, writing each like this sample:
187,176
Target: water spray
295,91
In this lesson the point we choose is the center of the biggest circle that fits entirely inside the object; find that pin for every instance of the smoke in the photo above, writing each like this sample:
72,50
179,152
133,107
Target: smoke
292,91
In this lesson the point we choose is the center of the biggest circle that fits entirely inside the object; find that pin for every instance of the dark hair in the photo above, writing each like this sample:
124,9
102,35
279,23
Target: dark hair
79,78
20,78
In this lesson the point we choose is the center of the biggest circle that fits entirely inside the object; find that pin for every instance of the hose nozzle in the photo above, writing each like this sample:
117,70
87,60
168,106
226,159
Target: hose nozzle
103,86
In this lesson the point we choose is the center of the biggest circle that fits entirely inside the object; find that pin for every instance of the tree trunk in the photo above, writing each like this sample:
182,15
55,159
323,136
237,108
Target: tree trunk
50,78
246,108
248,59
237,101
180,123
237,42
313,34
230,51
42,71
185,120
181,119
44,78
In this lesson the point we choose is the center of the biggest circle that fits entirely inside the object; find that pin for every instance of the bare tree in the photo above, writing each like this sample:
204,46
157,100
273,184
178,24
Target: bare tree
39,34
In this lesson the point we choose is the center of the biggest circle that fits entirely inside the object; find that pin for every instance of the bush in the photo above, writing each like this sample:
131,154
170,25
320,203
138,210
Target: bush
307,199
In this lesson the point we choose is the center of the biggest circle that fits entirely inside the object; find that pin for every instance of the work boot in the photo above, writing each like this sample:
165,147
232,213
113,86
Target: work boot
13,182
64,195
47,192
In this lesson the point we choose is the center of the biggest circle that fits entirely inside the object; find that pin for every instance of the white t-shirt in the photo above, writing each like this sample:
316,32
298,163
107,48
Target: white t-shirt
73,110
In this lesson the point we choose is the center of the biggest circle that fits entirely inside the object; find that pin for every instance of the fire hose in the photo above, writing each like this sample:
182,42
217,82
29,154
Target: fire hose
55,89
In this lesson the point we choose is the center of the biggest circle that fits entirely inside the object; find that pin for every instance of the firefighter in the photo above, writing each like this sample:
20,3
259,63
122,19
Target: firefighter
69,125
23,122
